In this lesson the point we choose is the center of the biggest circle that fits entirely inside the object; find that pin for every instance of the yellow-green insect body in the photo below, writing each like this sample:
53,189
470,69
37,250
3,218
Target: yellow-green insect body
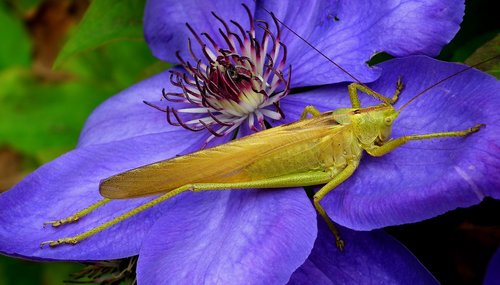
324,143
324,149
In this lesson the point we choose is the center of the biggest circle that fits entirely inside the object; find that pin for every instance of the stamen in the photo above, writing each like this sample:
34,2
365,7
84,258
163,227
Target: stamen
226,85
154,106
219,121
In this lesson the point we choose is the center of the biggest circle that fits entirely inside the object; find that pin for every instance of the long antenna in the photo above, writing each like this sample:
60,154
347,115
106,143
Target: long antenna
310,45
354,77
443,80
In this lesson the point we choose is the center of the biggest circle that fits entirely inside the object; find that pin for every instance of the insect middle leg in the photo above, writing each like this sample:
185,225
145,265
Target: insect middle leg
336,181
309,110
293,180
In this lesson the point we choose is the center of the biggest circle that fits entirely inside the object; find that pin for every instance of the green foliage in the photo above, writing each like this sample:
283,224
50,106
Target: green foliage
15,46
24,5
41,116
479,25
488,50
104,22
21,272
43,119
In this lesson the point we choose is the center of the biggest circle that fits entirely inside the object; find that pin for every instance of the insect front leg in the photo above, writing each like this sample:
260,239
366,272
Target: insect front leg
309,110
337,180
393,144
399,88
354,96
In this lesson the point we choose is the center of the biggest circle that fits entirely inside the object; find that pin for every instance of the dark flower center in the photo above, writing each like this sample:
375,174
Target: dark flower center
240,82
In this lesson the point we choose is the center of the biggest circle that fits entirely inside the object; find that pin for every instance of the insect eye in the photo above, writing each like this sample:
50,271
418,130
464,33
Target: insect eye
388,120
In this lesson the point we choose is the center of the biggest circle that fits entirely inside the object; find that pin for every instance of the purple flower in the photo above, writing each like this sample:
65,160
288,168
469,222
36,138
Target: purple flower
265,235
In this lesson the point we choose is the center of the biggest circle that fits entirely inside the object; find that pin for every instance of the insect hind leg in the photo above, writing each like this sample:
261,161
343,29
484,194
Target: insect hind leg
309,178
76,239
77,216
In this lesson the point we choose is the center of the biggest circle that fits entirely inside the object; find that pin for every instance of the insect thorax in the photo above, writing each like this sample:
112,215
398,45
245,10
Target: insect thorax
373,126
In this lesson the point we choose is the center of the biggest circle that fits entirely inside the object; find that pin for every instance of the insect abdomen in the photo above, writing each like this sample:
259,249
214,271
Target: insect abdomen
330,153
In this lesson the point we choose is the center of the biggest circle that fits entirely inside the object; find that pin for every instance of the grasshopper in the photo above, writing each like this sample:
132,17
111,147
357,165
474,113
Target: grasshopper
325,148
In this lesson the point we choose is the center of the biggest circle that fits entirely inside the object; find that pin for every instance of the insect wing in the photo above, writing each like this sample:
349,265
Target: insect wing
221,164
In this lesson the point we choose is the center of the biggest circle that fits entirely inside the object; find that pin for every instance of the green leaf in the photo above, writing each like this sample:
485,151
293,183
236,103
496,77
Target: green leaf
18,272
42,119
58,272
117,65
25,6
15,48
105,21
21,272
489,50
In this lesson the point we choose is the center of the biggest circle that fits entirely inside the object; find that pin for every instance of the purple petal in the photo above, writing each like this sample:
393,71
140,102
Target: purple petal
230,237
69,184
425,26
424,179
125,115
368,258
492,276
349,32
165,23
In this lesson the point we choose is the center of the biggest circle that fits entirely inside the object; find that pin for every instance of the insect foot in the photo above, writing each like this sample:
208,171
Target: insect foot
340,244
476,128
399,88
75,217
54,243
68,220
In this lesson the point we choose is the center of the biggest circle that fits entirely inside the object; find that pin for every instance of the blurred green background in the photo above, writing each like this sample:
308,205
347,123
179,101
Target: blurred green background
60,58
56,66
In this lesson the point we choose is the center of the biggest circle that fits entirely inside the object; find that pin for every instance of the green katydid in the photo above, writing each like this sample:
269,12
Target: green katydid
323,149
330,146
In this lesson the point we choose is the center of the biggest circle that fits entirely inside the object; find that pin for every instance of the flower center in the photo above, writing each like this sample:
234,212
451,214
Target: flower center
240,82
